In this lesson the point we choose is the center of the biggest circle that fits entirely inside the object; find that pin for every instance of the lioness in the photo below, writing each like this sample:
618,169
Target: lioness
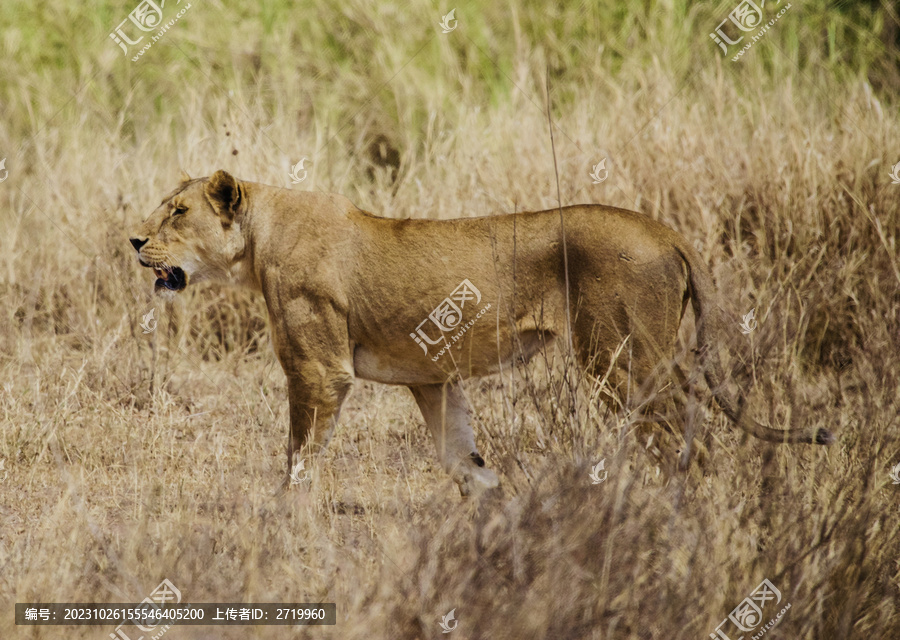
425,303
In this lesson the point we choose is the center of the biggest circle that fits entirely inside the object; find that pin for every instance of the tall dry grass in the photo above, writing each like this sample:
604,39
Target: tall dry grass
127,457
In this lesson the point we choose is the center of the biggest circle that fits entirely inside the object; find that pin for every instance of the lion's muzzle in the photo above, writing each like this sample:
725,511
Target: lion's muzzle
167,277
171,278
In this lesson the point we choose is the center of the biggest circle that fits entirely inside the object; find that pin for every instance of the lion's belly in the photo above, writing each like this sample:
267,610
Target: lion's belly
467,359
371,365
379,367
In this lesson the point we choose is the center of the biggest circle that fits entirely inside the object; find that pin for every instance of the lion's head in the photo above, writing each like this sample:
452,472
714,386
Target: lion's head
194,234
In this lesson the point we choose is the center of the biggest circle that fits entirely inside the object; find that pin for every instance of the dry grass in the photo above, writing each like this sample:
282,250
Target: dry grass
126,457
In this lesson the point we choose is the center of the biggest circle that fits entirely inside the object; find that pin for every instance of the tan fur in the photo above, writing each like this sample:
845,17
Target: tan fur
346,292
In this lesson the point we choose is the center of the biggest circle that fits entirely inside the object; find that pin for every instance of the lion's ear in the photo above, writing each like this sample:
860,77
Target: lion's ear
185,178
224,194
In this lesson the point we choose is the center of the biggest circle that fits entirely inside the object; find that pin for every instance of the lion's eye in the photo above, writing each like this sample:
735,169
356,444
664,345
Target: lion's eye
179,211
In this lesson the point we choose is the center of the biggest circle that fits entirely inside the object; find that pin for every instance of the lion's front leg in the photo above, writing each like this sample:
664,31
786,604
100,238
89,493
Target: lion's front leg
315,406
447,416
310,339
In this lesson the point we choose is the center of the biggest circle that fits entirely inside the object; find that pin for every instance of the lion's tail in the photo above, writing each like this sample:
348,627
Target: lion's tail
709,336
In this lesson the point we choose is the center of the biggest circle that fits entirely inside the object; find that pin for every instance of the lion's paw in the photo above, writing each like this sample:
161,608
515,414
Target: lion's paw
477,480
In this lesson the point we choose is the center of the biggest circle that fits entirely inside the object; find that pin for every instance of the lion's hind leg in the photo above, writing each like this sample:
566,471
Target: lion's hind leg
446,413
629,353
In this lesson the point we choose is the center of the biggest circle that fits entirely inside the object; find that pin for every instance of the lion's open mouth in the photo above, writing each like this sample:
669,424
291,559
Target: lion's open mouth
171,278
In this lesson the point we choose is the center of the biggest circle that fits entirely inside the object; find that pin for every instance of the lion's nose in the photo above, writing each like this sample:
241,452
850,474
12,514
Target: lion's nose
137,243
